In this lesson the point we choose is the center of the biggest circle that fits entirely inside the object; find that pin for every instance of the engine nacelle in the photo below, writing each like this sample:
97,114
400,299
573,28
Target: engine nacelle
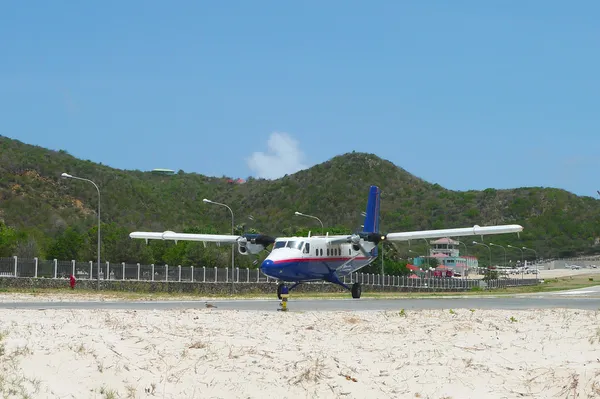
252,244
247,248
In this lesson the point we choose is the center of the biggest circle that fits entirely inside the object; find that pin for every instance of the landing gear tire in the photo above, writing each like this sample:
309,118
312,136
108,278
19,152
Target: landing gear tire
356,290
279,289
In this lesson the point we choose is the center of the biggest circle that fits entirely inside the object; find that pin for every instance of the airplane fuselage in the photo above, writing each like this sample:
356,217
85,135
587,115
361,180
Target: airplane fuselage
296,259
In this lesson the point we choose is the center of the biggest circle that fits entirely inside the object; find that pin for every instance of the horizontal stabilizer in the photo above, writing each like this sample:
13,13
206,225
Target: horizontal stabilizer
466,231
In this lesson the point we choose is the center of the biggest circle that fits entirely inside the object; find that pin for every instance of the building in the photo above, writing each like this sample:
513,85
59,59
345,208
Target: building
446,252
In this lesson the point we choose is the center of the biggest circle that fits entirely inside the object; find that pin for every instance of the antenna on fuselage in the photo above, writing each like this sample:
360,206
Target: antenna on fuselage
309,233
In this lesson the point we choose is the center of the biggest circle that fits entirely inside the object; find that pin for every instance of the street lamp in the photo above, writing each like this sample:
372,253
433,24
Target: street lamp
520,249
496,245
310,216
465,256
536,258
489,249
68,176
522,262
232,247
536,254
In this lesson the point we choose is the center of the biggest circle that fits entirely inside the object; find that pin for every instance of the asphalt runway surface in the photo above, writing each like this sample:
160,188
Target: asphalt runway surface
585,298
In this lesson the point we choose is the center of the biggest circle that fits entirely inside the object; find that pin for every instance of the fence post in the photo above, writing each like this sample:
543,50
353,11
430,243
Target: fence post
152,277
16,262
247,275
258,275
216,272
179,272
73,263
123,277
166,272
55,268
192,278
35,260
138,274
237,271
107,277
227,275
91,270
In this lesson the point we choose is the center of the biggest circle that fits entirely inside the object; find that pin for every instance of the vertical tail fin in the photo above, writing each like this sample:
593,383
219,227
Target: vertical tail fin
372,214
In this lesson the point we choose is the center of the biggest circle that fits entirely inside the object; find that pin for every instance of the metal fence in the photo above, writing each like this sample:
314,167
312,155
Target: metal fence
57,269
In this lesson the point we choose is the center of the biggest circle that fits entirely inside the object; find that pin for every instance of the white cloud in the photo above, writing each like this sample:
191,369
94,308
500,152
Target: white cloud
283,157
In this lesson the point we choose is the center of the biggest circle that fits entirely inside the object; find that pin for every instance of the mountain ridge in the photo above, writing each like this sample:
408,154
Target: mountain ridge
35,202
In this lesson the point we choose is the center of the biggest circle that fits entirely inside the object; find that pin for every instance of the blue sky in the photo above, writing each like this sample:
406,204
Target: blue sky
467,94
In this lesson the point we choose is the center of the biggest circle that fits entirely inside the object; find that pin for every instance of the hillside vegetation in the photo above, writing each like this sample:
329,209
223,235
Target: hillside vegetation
49,217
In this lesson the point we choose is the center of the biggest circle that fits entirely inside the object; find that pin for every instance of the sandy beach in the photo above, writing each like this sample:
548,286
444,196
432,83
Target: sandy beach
210,353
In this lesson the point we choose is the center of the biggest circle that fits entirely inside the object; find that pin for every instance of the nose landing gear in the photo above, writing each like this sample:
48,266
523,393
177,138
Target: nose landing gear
283,294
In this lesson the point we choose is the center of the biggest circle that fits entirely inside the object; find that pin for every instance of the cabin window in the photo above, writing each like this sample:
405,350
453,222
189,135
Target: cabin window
279,244
306,248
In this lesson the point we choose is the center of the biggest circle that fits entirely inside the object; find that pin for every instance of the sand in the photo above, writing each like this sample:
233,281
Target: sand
209,353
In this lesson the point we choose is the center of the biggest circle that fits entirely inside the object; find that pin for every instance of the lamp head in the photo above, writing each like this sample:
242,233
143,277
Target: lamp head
66,176
298,213
206,200
475,242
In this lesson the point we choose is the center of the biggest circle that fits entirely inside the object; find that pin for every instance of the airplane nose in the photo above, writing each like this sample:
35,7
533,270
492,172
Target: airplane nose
266,265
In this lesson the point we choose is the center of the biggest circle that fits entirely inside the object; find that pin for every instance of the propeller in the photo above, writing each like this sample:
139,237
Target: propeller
357,240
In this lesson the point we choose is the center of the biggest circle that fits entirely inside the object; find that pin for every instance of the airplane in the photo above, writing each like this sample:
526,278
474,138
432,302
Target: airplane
327,257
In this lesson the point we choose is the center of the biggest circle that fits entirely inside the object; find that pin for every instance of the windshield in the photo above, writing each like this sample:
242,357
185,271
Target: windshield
294,244
288,244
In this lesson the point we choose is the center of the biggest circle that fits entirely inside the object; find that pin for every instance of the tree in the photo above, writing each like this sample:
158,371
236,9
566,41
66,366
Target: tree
8,240
66,246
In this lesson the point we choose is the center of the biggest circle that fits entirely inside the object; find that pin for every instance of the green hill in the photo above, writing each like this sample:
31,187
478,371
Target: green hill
46,216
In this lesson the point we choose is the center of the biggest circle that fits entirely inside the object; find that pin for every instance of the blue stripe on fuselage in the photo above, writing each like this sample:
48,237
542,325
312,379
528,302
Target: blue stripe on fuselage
310,269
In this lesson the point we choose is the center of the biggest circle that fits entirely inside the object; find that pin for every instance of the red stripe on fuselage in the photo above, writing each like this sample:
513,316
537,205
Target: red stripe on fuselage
317,259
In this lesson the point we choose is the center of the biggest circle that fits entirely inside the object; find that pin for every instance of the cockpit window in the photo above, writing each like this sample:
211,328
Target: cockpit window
288,244
294,244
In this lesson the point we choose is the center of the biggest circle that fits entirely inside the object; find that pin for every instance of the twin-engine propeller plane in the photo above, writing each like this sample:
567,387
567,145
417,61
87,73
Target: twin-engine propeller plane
316,258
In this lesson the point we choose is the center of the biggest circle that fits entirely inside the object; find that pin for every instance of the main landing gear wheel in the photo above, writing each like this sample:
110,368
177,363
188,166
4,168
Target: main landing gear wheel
356,290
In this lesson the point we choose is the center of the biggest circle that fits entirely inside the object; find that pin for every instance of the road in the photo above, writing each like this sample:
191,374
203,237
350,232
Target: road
585,298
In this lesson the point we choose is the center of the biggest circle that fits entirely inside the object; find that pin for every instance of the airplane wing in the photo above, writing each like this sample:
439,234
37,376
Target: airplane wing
171,235
466,231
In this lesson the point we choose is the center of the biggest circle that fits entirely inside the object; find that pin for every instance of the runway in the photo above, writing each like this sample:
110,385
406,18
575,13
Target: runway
585,298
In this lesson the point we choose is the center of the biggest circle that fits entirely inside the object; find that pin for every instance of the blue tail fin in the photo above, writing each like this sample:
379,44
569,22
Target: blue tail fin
372,217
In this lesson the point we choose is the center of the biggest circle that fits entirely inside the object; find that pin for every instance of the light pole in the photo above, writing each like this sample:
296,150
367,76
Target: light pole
310,216
428,251
489,249
68,176
466,260
536,258
522,262
536,254
496,245
232,247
